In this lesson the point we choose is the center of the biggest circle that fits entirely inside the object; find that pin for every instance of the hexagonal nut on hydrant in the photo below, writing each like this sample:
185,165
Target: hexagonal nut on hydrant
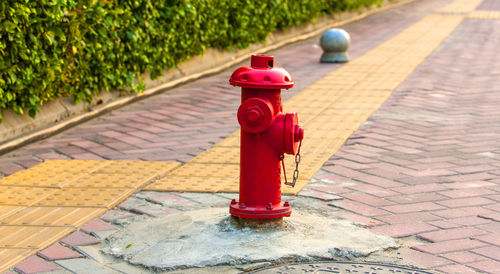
254,115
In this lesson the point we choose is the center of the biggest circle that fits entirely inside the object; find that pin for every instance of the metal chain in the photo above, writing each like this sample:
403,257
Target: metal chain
296,171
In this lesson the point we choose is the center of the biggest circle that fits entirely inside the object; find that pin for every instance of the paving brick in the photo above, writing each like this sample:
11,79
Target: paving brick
464,257
444,224
358,208
421,188
417,207
456,268
113,215
469,221
417,198
461,193
143,207
491,251
449,246
408,218
58,252
79,238
379,181
361,220
422,259
465,202
319,195
85,266
470,185
461,212
35,264
373,190
404,229
97,225
329,189
488,266
451,234
366,199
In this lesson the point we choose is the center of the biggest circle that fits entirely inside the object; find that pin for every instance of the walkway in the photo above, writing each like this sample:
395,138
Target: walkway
423,165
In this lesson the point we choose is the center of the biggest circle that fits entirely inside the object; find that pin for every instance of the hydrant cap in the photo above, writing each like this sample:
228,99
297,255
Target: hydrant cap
261,74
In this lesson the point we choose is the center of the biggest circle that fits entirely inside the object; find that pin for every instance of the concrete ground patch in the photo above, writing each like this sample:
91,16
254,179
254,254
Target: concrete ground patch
208,237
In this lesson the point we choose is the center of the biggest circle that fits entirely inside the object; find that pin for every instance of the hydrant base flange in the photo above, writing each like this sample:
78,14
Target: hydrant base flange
260,212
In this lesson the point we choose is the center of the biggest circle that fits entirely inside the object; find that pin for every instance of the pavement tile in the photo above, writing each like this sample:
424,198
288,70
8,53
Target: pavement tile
367,199
85,266
469,221
319,195
373,190
462,193
408,218
464,257
488,266
421,188
461,212
490,238
449,246
422,259
379,181
495,206
143,207
93,252
361,220
404,229
491,251
170,200
456,268
58,252
114,214
358,208
451,234
417,198
465,202
34,264
329,189
97,225
417,207
79,238
444,224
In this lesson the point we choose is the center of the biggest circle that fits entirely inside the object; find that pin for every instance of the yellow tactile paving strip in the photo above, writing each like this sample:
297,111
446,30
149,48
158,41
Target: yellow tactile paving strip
331,109
41,205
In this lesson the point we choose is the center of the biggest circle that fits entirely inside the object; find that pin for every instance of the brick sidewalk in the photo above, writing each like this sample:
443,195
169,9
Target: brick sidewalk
425,165
179,124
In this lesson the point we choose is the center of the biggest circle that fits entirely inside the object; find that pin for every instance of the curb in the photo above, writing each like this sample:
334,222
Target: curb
70,114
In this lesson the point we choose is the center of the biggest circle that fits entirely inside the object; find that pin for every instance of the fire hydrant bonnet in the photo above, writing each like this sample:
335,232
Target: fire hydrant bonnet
261,74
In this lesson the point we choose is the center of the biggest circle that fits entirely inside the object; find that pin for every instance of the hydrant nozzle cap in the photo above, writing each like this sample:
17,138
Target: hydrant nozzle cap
261,74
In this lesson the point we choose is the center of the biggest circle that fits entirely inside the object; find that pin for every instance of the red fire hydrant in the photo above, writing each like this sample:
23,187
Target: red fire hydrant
266,135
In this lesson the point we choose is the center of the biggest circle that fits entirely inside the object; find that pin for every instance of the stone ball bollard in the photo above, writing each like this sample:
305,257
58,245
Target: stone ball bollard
334,43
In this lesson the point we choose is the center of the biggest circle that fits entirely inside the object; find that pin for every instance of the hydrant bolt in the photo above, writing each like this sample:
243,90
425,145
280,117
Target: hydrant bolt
255,115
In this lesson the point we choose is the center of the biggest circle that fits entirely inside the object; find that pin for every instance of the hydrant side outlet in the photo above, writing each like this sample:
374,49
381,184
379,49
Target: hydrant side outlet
266,134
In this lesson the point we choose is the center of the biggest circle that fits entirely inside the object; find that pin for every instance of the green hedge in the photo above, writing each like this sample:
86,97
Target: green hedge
52,48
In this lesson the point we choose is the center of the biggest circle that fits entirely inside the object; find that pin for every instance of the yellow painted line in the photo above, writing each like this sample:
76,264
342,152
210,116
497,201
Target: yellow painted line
40,205
484,14
331,109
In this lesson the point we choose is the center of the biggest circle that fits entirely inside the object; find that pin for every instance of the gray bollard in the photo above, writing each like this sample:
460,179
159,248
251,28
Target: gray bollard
334,43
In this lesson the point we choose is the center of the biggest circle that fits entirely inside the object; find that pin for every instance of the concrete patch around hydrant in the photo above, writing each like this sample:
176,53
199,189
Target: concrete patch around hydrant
208,237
